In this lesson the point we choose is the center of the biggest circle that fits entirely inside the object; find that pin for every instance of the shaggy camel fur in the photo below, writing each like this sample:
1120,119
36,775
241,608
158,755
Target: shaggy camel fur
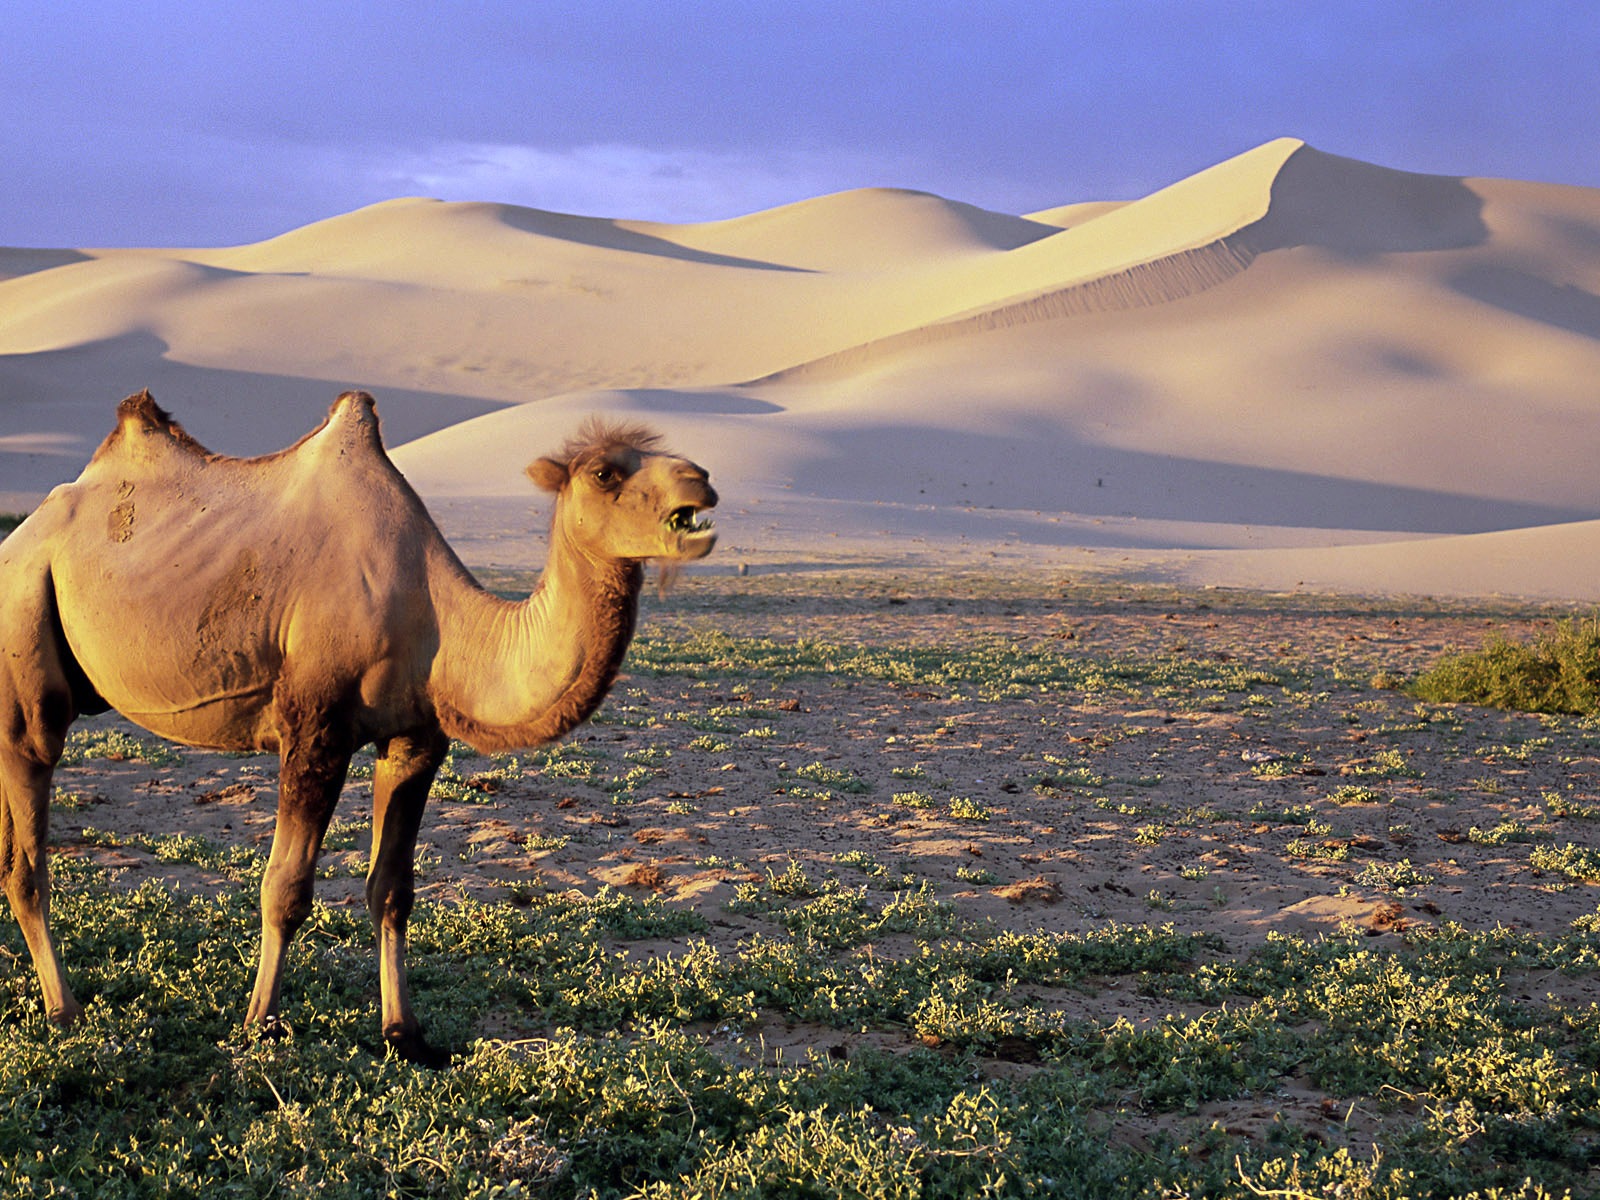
305,602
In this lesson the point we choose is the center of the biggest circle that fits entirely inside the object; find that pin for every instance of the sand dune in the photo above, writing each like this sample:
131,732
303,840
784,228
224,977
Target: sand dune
1289,368
870,230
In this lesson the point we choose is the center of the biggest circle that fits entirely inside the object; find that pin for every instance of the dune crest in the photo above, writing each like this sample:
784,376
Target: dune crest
866,229
1213,225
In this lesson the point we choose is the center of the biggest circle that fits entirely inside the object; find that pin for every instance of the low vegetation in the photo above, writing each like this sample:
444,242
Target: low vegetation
1020,957
616,1073
1558,672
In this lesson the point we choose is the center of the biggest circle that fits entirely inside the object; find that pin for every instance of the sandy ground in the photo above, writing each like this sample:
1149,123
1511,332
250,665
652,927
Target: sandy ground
1236,812
766,530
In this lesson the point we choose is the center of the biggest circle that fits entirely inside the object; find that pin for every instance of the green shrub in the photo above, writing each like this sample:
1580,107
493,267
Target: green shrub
1558,673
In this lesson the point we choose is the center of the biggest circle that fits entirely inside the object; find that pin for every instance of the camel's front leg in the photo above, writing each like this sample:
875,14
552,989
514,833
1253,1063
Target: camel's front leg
400,784
313,762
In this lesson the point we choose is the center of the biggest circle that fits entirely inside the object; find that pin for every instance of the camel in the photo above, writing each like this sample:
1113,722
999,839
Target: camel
304,602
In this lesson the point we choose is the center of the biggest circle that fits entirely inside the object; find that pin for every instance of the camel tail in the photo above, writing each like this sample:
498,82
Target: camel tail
7,848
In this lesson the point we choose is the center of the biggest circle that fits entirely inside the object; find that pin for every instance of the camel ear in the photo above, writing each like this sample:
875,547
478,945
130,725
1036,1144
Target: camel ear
548,474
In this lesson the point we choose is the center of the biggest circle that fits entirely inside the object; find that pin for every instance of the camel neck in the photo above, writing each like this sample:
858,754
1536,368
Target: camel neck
519,674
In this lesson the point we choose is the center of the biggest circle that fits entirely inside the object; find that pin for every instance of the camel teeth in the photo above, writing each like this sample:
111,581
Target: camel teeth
686,520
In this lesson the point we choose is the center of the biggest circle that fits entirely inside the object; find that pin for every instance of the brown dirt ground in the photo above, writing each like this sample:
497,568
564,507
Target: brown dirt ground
1213,778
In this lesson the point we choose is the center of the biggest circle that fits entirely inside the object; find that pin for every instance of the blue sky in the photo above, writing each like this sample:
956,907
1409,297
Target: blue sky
179,123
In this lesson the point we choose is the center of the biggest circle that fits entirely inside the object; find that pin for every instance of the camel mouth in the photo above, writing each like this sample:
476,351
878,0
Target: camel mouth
693,534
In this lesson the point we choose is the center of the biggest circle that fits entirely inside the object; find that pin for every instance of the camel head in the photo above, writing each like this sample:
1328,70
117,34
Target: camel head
619,497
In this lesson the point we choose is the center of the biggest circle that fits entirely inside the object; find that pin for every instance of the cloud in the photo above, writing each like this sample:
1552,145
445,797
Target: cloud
630,182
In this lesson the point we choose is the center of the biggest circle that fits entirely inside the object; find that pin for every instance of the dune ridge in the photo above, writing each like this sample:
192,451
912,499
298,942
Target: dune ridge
1160,281
1277,196
864,229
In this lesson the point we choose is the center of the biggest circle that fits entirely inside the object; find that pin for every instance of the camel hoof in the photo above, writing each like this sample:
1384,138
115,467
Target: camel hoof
415,1048
66,1015
271,1029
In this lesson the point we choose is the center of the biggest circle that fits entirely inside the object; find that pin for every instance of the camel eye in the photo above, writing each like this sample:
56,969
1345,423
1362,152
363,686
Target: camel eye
606,475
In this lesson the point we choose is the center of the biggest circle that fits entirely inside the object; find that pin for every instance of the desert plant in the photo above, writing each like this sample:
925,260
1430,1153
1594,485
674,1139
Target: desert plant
114,745
1558,673
1392,877
1575,862
834,777
964,808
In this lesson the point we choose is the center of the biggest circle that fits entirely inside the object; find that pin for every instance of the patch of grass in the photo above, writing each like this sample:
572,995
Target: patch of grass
834,778
9,521
624,787
466,785
1151,835
1502,834
242,864
1559,672
859,859
1575,862
1392,877
1356,794
1322,850
1566,806
74,801
1067,776
964,808
988,667
1292,814
629,1074
113,745
1385,764
1279,768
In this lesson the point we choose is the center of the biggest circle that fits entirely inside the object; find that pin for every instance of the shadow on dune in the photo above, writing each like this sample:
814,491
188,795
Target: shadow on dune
1524,295
71,396
1359,210
727,401
607,234
1041,470
17,262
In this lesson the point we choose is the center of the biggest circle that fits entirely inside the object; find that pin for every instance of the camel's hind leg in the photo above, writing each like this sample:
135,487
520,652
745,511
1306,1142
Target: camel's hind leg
37,707
400,783
24,819
313,759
